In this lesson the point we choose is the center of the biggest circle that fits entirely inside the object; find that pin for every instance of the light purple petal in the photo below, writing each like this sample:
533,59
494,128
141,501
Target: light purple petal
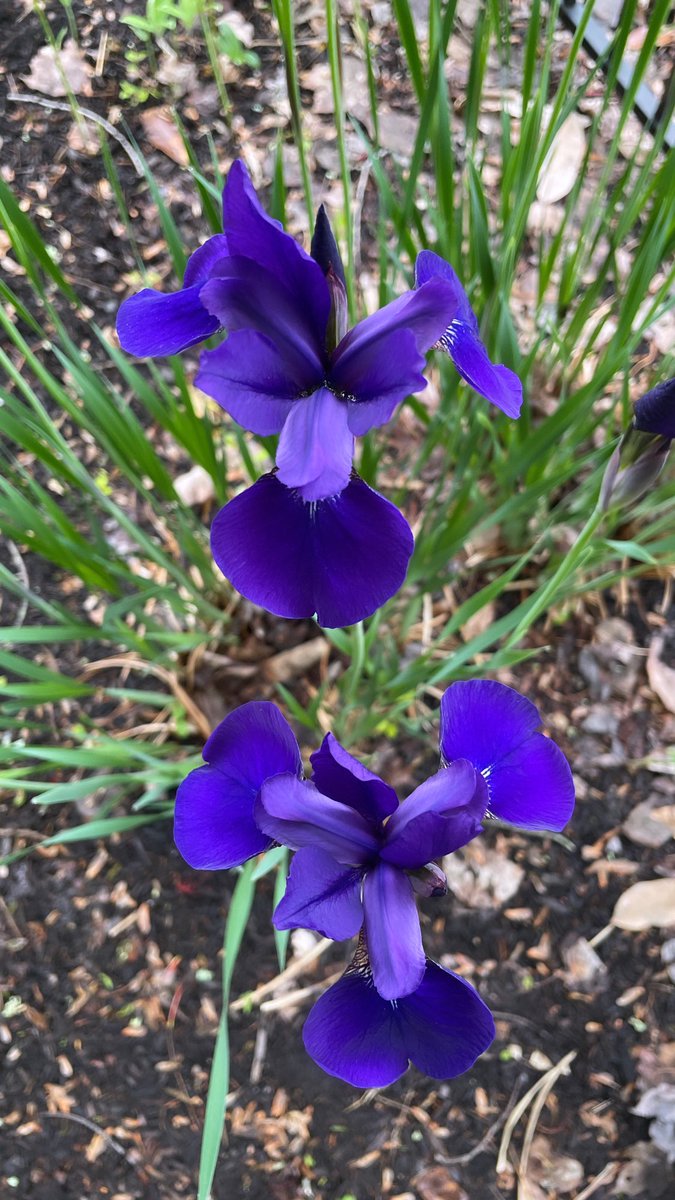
353,1033
246,295
295,813
252,234
316,447
394,372
496,383
532,786
154,324
214,824
528,778
213,821
339,558
253,380
441,815
393,931
358,366
483,720
321,894
446,1025
344,778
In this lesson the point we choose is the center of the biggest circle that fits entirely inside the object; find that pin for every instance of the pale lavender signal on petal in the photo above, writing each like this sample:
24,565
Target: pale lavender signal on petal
316,447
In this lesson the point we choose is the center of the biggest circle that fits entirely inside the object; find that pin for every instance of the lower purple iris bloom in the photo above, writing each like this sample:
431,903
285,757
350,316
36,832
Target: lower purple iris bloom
339,558
441,1028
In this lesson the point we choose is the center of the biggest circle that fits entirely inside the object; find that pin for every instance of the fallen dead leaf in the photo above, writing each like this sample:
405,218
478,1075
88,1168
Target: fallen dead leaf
560,169
558,1173
661,678
646,828
163,135
481,877
56,72
584,969
290,663
651,902
194,486
436,1183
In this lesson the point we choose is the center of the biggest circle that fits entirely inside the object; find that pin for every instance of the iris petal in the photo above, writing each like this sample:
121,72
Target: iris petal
353,1033
154,324
532,786
316,447
655,412
295,813
337,774
440,816
253,380
321,894
339,558
495,382
214,825
392,931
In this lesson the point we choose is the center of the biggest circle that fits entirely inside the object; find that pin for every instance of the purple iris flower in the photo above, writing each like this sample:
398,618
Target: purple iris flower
339,558
461,340
353,1032
357,849
528,779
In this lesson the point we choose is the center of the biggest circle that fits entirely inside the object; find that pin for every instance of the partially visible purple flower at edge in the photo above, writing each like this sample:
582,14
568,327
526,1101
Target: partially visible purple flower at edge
352,1032
643,450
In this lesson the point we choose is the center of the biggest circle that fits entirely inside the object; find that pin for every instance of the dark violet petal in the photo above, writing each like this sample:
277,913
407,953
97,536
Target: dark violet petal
441,815
316,447
321,894
532,786
353,1033
393,931
253,235
253,743
344,778
206,261
496,383
251,379
390,373
339,558
655,412
294,812
324,247
154,324
245,295
445,1024
213,821
484,720
356,366
431,266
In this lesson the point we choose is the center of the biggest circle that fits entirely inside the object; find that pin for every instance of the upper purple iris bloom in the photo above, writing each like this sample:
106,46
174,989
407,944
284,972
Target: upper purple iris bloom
353,1032
289,366
356,849
528,779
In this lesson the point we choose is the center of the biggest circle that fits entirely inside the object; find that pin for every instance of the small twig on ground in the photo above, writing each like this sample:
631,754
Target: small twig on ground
291,998
17,559
89,115
251,999
68,1116
131,663
607,1175
259,1051
545,1083
460,1160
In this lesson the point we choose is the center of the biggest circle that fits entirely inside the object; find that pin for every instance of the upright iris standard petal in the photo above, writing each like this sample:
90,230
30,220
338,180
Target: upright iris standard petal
321,895
214,826
440,816
154,323
355,1034
392,931
461,340
337,774
528,778
294,812
340,558
316,447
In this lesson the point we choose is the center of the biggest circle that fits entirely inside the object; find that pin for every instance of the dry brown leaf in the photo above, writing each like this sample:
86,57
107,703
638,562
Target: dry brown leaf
560,169
436,1183
288,664
645,827
481,877
558,1173
651,902
163,135
51,70
661,678
194,486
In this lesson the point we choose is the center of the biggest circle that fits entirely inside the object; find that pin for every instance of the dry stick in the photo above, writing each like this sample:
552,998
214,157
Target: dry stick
548,1082
460,1160
606,1175
522,1106
249,999
291,998
89,114
138,664
68,1116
